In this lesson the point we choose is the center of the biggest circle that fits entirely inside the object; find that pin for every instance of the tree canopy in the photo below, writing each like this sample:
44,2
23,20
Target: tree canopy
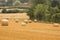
46,10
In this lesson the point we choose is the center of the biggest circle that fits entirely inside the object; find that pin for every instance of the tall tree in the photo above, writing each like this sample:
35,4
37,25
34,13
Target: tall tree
54,3
40,11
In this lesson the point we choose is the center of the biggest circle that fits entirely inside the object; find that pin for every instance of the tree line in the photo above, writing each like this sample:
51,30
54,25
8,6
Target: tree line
45,10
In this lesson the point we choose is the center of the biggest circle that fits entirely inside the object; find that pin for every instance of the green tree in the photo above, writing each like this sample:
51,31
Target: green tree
35,3
56,18
40,11
39,1
16,3
31,14
53,11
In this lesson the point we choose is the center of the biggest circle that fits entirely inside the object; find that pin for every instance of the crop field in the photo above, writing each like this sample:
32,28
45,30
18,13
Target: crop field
31,31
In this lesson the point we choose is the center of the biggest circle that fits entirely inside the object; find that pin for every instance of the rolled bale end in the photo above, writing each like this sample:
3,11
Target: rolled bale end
23,24
4,22
35,20
26,21
30,21
56,25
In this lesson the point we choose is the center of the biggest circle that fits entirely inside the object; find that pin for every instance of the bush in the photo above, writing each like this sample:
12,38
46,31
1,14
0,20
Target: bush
22,11
4,11
40,11
10,11
31,14
21,7
13,11
56,18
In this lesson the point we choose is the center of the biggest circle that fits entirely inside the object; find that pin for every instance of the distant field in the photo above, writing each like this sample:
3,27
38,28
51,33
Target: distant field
32,31
16,15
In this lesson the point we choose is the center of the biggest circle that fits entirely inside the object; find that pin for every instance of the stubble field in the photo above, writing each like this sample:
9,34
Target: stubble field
31,31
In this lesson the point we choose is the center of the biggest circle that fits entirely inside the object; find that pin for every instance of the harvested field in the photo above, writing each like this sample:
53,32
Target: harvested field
31,31
16,15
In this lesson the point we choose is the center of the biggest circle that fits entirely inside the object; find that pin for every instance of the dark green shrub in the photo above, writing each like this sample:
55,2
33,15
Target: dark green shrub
21,7
4,11
56,18
10,11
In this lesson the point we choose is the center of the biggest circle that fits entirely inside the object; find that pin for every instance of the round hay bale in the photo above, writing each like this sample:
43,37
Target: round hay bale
4,22
26,21
35,20
23,24
56,25
16,20
30,21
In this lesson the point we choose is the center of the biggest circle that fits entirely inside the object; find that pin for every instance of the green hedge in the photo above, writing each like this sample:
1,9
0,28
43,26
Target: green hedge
14,11
21,7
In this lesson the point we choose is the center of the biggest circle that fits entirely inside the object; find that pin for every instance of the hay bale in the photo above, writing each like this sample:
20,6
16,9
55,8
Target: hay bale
26,21
23,23
30,21
16,20
35,20
56,25
4,22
